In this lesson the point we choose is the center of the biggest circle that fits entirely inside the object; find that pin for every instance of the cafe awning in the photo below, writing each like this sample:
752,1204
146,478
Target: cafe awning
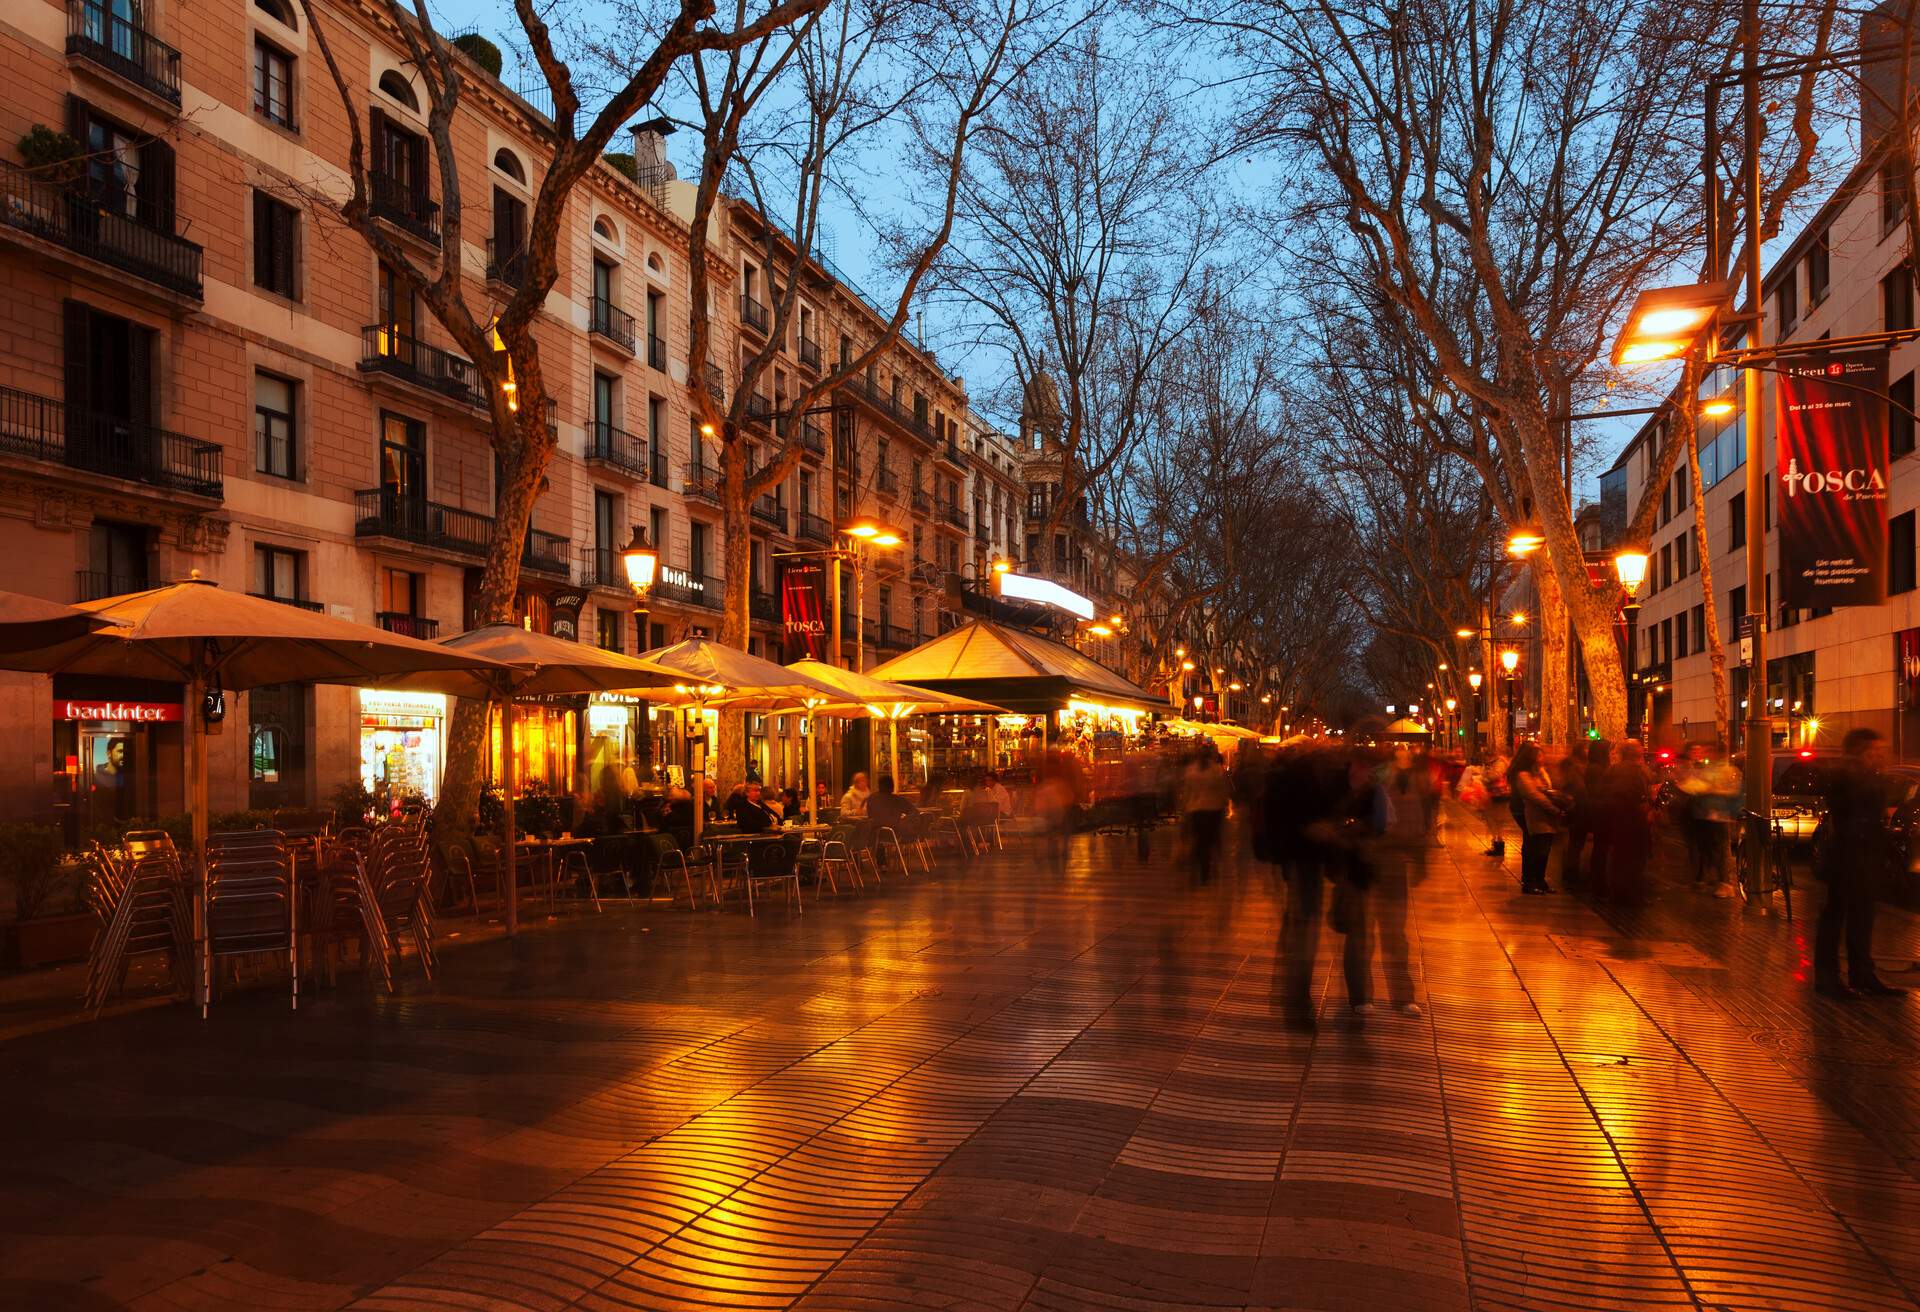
1024,672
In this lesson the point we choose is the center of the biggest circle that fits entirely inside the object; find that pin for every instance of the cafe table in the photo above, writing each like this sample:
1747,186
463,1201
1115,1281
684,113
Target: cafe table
549,851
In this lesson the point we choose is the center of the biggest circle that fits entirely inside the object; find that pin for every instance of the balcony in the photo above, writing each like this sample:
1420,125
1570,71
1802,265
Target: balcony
656,353
770,511
124,48
981,532
618,448
67,217
299,602
813,438
759,409
702,481
384,513
42,428
763,606
922,503
887,481
386,350
868,392
93,584
506,265
810,353
954,517
949,451
812,528
603,567
407,626
895,636
753,314
613,323
716,384
400,203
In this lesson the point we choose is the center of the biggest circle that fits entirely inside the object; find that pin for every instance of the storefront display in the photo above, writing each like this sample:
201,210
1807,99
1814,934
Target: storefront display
108,737
616,723
545,735
402,743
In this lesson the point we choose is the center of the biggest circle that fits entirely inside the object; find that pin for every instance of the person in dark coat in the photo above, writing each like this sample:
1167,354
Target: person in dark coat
1303,790
1627,796
1599,759
1854,854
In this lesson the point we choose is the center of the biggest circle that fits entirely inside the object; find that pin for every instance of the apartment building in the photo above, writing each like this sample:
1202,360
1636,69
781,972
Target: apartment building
1828,670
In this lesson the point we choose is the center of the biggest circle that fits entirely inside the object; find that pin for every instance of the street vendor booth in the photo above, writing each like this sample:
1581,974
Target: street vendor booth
1054,696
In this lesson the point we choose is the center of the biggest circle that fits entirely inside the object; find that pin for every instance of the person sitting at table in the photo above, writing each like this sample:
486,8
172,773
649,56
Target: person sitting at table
887,807
853,804
822,796
749,810
790,805
992,790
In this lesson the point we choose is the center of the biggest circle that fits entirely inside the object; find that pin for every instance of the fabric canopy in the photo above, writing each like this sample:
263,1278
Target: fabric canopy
28,623
1404,728
1021,671
537,664
726,676
886,699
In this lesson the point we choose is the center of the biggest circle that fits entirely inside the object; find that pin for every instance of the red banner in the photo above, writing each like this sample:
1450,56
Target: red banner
1830,461
803,607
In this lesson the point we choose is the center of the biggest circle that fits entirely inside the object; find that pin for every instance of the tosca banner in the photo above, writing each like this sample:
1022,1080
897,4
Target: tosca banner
1830,459
803,607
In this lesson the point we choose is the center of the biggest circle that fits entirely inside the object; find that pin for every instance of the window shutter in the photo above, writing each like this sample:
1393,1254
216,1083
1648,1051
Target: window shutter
156,185
79,383
377,136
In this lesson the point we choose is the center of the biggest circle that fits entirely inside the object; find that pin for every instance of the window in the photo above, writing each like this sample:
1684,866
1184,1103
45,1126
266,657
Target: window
1680,637
608,631
277,572
1900,416
697,549
1737,604
275,233
509,163
603,229
397,308
1737,521
394,84
657,528
1666,566
274,450
129,173
272,83
402,592
1896,300
1699,618
1900,553
1666,639
509,237
279,11
1817,271
1786,300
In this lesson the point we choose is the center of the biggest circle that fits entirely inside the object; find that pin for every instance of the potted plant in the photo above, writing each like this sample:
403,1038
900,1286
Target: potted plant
51,922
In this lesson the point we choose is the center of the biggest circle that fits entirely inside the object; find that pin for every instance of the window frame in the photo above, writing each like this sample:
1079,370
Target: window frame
262,463
265,52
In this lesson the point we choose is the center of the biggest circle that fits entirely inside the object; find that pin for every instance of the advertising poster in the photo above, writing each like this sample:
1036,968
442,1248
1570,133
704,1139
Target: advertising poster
1830,462
803,607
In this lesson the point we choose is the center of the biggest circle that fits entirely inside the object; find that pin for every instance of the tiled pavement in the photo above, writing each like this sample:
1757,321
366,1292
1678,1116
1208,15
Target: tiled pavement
1002,1088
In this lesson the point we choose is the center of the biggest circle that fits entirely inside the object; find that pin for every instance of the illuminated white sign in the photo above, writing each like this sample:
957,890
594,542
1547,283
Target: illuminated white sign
1025,587
383,701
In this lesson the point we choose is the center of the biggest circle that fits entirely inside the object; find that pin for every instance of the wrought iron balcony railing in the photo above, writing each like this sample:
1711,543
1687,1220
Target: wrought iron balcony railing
703,481
753,314
810,353
619,448
385,349
300,602
812,528
93,584
405,206
45,429
70,217
408,626
657,353
770,511
613,323
120,45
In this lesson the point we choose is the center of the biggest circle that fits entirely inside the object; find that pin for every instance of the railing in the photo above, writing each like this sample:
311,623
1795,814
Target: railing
506,266
764,606
657,475
93,584
887,481
810,353
922,502
868,391
67,216
546,553
895,635
716,383
813,438
952,514
603,567
121,46
612,323
753,314
300,602
657,352
758,407
981,532
813,528
696,590
701,480
386,350
617,447
407,626
45,429
950,452
398,203
769,510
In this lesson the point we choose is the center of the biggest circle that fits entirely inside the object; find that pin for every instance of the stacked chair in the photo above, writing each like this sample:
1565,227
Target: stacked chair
252,904
140,897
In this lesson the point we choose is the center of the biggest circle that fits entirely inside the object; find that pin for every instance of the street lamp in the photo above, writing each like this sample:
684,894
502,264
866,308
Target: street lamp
641,562
1524,541
1630,567
1665,322
1509,660
865,532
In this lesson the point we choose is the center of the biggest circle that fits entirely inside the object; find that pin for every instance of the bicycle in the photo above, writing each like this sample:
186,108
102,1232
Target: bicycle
1751,844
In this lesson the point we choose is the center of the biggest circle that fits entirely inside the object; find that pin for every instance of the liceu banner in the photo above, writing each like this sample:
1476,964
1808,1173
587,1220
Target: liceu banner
1830,462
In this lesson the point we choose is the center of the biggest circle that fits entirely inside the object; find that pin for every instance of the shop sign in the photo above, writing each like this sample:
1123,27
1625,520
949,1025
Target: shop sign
382,701
135,712
1026,587
563,615
1831,459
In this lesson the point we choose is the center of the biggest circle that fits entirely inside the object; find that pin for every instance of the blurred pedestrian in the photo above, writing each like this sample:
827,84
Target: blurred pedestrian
1599,761
1571,779
1203,798
1851,861
1541,811
1627,793
1296,832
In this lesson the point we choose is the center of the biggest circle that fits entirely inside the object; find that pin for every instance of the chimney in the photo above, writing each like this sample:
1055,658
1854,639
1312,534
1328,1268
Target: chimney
650,151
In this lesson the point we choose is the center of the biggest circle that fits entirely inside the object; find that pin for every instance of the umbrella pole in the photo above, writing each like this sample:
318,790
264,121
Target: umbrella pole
900,780
510,856
197,809
697,778
806,768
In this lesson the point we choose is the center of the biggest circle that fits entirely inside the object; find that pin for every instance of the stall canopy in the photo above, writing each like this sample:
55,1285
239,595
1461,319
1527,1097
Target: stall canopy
1024,672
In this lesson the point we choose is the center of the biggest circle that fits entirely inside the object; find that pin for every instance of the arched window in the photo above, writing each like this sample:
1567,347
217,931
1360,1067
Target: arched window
603,229
278,10
653,262
396,87
509,163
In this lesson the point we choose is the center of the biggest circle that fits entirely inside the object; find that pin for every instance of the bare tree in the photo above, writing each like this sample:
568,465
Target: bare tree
783,123
505,355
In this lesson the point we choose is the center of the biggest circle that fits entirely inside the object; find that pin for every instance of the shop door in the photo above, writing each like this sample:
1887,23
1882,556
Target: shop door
277,745
107,772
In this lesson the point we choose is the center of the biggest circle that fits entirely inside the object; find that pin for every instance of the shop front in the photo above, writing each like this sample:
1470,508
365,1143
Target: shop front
114,741
617,726
402,743
546,737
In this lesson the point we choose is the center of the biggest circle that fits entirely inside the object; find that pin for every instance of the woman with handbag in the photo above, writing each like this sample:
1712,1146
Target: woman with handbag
1541,812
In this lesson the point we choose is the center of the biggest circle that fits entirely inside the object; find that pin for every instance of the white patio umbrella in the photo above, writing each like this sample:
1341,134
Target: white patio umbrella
531,665
216,641
886,700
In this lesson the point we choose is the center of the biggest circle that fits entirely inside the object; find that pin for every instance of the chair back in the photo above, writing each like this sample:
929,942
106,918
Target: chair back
250,897
773,859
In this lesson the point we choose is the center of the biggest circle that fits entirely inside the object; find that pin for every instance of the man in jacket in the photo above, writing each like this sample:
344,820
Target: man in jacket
1854,854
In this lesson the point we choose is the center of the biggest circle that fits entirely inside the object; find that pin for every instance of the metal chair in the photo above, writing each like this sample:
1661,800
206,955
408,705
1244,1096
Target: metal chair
251,909
662,850
144,911
774,862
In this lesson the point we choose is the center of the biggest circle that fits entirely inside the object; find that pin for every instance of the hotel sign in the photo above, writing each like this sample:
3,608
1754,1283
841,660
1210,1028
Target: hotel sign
675,577
1025,587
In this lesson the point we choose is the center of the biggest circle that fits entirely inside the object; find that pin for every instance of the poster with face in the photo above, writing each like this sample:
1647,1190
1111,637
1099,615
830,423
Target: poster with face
109,766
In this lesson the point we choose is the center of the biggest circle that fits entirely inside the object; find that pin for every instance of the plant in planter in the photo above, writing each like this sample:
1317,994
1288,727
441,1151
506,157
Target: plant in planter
480,50
51,920
56,156
351,803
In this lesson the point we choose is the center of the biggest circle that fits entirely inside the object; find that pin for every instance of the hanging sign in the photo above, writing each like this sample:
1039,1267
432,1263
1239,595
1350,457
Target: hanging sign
106,710
1830,462
563,615
803,606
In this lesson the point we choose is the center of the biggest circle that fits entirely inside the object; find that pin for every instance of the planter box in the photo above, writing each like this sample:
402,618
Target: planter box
50,940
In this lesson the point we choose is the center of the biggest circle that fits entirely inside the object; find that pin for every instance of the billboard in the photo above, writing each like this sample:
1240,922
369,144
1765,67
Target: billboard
1830,462
803,608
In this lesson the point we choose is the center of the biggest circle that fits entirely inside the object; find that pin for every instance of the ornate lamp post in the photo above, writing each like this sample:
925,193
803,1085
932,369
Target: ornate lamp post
642,561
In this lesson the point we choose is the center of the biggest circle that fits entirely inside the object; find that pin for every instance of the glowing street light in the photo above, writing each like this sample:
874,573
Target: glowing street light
1524,541
1474,679
1665,322
1718,407
1463,633
1630,567
1509,660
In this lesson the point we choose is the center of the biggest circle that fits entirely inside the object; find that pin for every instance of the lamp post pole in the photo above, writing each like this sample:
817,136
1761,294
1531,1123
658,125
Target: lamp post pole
1759,773
641,561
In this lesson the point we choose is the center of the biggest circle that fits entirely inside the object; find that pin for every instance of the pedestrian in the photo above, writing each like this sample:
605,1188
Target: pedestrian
1296,813
1400,866
1203,798
1851,861
1627,793
1599,761
1362,816
1498,791
1541,811
1572,780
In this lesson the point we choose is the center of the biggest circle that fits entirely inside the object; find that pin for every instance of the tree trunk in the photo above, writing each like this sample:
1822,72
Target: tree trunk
1553,726
1716,653
736,554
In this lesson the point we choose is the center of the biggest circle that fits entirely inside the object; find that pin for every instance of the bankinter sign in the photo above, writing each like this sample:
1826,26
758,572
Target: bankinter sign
136,712
1830,458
